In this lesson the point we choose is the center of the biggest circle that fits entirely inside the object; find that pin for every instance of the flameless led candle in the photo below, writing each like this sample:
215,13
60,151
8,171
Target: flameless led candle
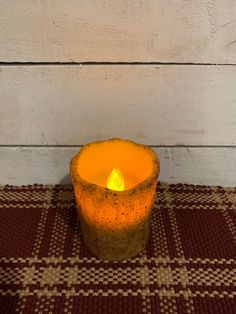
115,187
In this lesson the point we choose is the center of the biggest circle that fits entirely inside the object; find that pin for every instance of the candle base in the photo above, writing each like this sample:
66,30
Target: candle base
115,245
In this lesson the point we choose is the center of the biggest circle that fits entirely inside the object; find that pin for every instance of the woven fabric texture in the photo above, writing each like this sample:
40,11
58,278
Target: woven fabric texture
188,266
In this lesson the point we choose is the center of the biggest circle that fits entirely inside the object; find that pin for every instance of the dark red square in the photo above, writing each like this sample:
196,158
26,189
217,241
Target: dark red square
8,304
155,304
107,304
214,305
204,233
18,229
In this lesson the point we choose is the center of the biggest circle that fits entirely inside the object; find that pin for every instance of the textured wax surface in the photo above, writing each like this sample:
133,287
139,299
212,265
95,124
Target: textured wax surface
115,226
188,266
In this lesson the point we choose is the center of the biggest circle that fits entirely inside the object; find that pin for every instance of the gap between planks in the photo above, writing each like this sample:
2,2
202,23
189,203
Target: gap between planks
2,63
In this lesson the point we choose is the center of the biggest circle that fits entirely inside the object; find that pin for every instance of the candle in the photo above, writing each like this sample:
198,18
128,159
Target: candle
115,187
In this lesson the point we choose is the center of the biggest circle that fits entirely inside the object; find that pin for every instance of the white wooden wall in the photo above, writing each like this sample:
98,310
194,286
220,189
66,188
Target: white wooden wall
160,72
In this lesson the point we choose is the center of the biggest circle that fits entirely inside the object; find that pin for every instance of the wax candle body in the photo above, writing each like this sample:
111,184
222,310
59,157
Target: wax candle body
115,227
115,224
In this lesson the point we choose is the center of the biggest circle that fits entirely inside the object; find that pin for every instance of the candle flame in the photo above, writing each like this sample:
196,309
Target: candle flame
116,180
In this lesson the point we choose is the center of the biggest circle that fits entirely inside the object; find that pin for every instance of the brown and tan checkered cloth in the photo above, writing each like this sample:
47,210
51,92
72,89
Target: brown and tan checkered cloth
189,265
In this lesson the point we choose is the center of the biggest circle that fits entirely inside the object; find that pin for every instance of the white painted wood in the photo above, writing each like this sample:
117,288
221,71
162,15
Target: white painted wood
73,105
124,30
50,165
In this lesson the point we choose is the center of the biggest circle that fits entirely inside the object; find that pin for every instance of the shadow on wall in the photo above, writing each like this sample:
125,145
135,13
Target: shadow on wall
66,180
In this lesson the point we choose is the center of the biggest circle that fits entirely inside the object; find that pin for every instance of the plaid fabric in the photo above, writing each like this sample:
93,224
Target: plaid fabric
188,265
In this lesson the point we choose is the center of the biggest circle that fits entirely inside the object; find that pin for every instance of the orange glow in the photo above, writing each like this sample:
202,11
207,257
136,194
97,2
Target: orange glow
116,180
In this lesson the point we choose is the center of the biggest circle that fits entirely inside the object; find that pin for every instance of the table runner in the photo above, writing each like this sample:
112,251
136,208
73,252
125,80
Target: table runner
188,266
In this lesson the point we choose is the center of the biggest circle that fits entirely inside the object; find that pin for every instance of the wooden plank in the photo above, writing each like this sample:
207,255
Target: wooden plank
145,31
50,165
73,105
